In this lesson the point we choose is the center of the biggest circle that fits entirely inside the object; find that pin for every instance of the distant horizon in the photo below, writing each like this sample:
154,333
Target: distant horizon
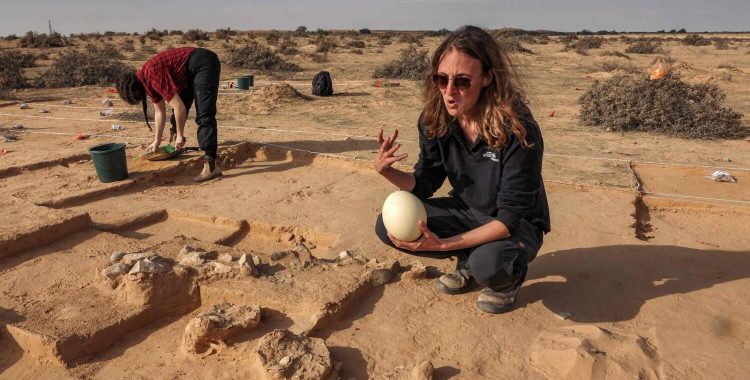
637,16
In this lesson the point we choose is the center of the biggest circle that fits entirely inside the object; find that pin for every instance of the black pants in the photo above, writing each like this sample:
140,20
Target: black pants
203,71
500,265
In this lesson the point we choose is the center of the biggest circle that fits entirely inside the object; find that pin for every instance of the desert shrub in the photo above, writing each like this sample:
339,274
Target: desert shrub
580,50
589,42
74,68
128,45
667,106
613,64
511,43
288,47
695,40
567,39
11,69
105,50
142,40
365,31
357,44
439,33
148,49
356,51
324,45
224,34
257,57
318,58
21,59
11,37
410,38
643,47
175,32
195,35
273,37
412,64
720,43
36,40
614,53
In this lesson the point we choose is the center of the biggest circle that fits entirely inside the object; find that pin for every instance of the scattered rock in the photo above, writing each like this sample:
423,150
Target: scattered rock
418,271
256,260
193,259
726,159
107,102
186,249
286,236
345,255
217,325
305,357
383,273
116,256
24,106
43,110
131,258
18,126
113,273
278,255
150,265
226,258
422,371
247,268
220,268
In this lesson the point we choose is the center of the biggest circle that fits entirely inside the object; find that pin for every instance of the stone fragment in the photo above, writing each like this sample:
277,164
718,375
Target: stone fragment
114,272
286,237
220,268
247,268
226,258
218,324
186,249
383,273
418,271
193,259
116,256
278,255
131,258
423,371
308,358
150,265
256,261
24,106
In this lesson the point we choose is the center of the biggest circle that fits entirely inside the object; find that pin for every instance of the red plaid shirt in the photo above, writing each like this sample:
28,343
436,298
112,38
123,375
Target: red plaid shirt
165,74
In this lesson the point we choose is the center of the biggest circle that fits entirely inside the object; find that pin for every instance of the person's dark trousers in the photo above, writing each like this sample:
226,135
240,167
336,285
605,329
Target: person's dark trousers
500,265
203,73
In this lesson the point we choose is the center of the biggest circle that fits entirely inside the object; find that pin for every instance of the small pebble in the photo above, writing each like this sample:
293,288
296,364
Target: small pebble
117,256
285,360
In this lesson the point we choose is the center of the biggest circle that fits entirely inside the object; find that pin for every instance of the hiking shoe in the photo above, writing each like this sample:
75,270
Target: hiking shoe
210,170
493,302
457,282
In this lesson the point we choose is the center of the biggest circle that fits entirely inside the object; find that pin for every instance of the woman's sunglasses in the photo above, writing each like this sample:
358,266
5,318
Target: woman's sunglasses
462,84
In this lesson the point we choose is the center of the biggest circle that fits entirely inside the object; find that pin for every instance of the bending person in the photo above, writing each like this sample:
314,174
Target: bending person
477,132
193,74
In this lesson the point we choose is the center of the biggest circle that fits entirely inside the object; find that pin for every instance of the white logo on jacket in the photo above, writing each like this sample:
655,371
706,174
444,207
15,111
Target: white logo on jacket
491,155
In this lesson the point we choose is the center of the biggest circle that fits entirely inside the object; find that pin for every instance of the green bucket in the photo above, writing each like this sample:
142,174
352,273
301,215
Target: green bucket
110,162
245,82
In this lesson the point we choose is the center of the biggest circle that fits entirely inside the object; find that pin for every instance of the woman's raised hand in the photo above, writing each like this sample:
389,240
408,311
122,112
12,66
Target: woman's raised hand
386,151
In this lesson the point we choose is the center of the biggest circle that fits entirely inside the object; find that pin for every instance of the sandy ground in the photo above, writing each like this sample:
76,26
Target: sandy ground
625,286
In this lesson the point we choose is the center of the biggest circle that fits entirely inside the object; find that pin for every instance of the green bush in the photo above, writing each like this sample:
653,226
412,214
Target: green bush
74,68
257,57
412,64
667,106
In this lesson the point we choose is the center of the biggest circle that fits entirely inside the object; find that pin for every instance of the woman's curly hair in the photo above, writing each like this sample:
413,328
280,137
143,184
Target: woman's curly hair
131,90
502,104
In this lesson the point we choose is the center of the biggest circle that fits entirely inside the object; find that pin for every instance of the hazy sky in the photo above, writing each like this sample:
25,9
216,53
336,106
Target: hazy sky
74,16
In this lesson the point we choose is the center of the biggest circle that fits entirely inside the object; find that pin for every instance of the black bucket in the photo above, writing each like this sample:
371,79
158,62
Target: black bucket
110,162
245,82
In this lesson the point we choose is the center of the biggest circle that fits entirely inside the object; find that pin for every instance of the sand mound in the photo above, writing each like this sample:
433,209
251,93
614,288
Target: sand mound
277,93
591,352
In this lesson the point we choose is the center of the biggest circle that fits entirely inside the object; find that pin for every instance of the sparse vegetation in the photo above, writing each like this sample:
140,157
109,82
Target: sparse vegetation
695,40
412,64
511,43
195,35
257,57
36,40
617,65
644,47
74,68
12,64
667,106
614,53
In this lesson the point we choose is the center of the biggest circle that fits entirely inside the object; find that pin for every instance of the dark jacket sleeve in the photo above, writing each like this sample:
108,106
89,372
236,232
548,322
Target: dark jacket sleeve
521,179
429,172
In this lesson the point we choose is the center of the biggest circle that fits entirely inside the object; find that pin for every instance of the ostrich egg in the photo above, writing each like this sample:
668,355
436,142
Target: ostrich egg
402,212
